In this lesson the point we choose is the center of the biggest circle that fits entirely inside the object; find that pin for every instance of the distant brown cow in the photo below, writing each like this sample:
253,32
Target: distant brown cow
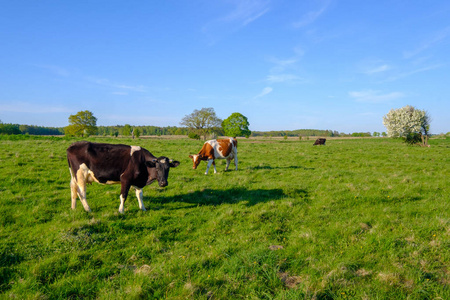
216,149
320,142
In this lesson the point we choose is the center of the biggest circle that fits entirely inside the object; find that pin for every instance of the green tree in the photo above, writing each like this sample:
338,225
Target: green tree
9,129
180,131
137,132
202,121
126,130
236,125
82,124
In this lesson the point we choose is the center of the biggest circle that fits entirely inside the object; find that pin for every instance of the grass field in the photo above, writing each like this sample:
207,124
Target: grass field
355,219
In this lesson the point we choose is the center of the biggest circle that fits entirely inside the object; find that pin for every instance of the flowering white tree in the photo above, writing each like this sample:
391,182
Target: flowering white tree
406,122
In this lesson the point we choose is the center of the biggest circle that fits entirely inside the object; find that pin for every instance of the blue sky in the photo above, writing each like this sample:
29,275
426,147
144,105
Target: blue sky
286,65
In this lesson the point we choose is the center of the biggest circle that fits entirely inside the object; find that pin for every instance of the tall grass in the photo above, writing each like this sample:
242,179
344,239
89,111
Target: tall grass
363,218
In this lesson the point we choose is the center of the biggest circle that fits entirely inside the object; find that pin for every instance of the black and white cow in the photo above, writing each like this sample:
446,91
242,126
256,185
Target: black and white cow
129,166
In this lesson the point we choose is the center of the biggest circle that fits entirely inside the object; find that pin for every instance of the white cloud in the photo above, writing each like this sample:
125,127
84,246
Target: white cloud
54,69
409,73
279,72
378,69
254,17
26,107
246,12
299,51
264,92
434,40
280,65
242,14
108,83
370,96
311,16
278,78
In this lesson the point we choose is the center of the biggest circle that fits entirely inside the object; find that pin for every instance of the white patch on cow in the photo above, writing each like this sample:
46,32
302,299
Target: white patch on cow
78,185
112,182
84,174
73,189
219,154
215,145
134,149
163,161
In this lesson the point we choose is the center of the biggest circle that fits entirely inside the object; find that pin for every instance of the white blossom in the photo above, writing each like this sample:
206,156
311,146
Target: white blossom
403,121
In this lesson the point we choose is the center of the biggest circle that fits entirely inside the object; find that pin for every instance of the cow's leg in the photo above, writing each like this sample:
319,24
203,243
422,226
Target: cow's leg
73,192
81,190
139,196
235,161
122,201
123,196
214,165
228,164
210,161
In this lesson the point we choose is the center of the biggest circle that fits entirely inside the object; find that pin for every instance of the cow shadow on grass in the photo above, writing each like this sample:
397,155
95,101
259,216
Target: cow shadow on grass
231,196
276,168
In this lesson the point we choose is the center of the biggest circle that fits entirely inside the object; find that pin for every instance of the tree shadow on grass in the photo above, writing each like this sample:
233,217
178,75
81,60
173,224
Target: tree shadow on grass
9,257
231,196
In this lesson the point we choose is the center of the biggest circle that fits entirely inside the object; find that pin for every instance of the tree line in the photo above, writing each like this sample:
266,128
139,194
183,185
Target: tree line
200,123
295,133
137,131
127,130
29,129
408,123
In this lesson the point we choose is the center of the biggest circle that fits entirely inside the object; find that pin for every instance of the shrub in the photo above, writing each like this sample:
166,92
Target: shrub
413,138
193,135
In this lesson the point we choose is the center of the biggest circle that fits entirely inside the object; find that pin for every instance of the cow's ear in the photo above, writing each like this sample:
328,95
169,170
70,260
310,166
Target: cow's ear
151,163
174,164
191,157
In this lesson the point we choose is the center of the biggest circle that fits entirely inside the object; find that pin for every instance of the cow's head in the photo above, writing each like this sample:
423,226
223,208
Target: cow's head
196,158
162,165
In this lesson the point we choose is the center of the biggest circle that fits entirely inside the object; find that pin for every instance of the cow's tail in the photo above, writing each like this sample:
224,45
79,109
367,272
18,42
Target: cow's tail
71,170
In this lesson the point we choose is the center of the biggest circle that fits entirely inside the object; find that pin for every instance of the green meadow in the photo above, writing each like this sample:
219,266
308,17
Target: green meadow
355,219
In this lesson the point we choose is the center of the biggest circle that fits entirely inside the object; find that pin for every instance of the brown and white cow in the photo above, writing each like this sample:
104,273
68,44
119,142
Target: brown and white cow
217,149
129,166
